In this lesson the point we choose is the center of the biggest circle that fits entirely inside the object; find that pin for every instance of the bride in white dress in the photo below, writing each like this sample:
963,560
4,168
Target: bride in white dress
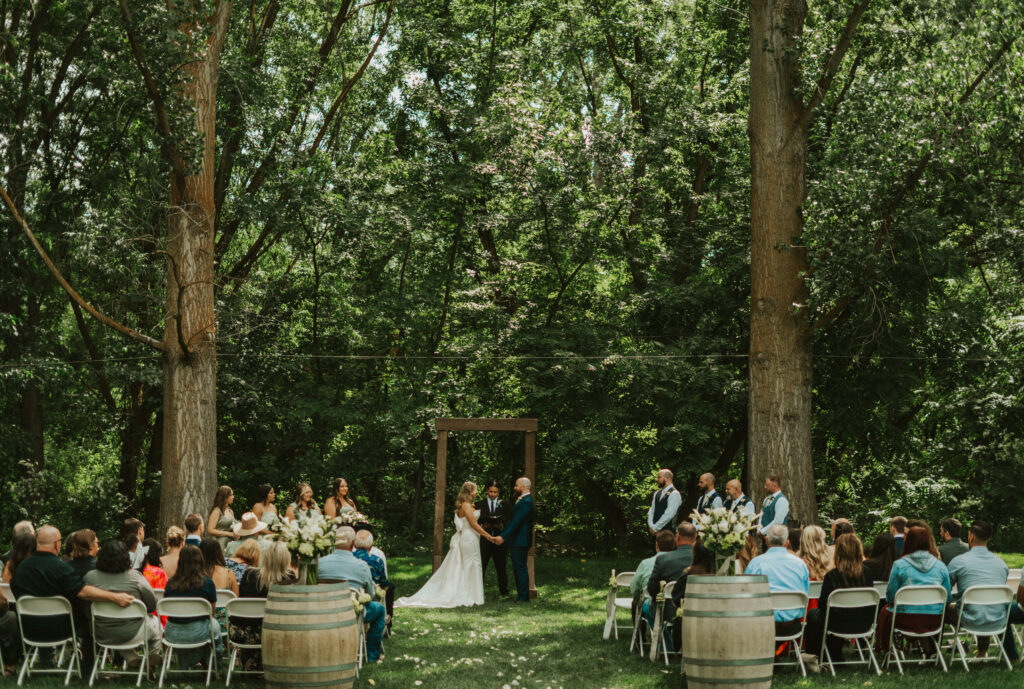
459,580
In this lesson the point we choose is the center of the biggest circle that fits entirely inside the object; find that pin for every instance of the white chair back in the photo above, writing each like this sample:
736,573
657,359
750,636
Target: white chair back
223,596
853,598
881,587
158,593
105,608
251,608
987,595
789,600
815,590
8,593
184,607
624,578
39,606
933,594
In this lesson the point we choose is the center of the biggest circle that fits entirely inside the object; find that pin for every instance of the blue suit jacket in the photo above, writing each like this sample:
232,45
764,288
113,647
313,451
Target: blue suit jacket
519,532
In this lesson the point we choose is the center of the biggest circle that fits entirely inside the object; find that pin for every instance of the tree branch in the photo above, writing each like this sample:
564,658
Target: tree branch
123,329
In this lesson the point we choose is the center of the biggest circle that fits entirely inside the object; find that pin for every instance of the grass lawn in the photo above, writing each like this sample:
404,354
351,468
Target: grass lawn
555,642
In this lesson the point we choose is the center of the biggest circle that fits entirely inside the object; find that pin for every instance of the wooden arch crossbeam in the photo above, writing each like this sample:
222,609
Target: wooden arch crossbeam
443,426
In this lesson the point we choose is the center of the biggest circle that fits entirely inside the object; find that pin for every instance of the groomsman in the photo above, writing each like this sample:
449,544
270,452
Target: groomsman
665,505
775,508
709,497
737,501
493,515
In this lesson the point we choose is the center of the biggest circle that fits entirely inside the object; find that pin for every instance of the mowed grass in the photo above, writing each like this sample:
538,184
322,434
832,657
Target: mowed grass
555,642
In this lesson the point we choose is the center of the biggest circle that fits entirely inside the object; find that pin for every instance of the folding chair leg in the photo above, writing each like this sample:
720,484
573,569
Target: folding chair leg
212,658
231,665
143,666
164,666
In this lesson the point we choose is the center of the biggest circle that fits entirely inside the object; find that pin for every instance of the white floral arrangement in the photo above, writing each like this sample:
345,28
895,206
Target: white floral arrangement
309,536
722,530
379,592
351,519
359,599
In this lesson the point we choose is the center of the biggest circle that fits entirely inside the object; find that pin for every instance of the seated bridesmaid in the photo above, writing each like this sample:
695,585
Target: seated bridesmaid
264,508
304,505
340,501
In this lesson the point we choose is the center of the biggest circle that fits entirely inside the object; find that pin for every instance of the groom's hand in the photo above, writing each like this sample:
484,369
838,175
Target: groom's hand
499,540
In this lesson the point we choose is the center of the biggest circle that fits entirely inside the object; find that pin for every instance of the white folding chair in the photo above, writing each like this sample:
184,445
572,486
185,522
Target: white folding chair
661,624
243,609
934,595
159,593
49,607
223,596
614,603
8,593
814,592
845,599
109,610
785,601
187,607
882,587
983,596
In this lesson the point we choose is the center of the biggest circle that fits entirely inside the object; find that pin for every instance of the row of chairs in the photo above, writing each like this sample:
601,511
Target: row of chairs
863,640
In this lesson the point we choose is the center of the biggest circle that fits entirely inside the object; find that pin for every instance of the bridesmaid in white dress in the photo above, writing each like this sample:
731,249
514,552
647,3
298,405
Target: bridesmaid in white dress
459,580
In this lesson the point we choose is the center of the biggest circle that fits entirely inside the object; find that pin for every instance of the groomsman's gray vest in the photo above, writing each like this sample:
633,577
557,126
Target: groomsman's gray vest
660,505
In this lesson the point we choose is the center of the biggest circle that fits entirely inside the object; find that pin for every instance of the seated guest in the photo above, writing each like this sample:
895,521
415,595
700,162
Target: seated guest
793,540
151,569
217,566
84,546
133,533
250,528
897,528
881,557
664,542
45,574
113,572
840,525
667,567
194,529
850,572
246,555
785,572
917,567
20,529
363,547
949,531
272,570
10,646
979,567
932,547
703,563
191,581
169,560
24,546
342,565
751,549
814,552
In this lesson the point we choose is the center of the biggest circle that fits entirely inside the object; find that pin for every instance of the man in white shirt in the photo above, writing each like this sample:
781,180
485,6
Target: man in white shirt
665,505
775,508
737,500
709,497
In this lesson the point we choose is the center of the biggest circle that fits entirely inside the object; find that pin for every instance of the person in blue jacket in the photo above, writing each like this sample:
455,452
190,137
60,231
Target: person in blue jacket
519,536
917,567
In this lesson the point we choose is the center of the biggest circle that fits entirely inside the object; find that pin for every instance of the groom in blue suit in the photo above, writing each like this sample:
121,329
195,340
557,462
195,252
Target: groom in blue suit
519,536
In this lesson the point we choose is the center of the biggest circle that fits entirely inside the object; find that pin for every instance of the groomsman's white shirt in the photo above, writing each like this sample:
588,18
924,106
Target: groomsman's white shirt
674,501
781,511
748,508
717,502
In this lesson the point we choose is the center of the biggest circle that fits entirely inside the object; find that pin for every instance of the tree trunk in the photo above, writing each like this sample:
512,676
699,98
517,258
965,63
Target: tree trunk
780,342
190,373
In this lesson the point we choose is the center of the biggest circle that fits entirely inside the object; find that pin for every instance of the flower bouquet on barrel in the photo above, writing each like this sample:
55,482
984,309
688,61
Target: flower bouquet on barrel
307,538
724,532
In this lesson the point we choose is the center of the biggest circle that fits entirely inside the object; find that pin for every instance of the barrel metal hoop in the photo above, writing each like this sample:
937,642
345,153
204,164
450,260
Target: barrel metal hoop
711,579
322,683
319,588
735,662
712,596
277,627
308,599
303,670
725,613
289,613
691,680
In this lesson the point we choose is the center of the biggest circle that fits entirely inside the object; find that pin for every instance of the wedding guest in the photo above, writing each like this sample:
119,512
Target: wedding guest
21,528
342,565
193,529
340,501
246,555
737,500
191,581
703,563
363,548
221,519
664,542
10,639
152,570
24,546
133,532
785,572
303,505
175,541
250,528
273,570
665,504
933,548
751,549
979,567
709,497
84,546
850,571
264,508
114,573
775,508
881,556
667,567
840,525
949,531
898,527
916,567
814,552
793,540
217,567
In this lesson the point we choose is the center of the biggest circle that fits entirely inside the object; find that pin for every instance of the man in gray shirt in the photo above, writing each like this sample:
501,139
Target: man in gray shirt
950,530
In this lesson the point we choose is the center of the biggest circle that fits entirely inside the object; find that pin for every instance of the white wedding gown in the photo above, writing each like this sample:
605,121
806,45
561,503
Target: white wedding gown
459,580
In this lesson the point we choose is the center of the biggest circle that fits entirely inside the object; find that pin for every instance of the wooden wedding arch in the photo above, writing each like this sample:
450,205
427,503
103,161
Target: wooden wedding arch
445,425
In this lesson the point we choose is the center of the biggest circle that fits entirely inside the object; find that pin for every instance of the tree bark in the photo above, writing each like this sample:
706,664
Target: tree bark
190,370
779,440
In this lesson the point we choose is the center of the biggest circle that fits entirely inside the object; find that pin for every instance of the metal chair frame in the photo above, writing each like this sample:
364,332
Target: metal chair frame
249,609
661,624
792,600
851,598
934,594
187,607
46,606
982,595
135,611
614,603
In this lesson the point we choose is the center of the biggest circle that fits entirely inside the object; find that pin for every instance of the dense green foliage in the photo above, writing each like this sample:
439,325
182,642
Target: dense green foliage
532,209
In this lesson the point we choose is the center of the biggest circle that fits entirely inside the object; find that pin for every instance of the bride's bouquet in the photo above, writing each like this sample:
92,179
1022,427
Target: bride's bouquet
723,531
352,519
308,537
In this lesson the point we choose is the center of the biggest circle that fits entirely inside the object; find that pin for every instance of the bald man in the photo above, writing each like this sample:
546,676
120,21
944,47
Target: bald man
665,505
737,501
709,497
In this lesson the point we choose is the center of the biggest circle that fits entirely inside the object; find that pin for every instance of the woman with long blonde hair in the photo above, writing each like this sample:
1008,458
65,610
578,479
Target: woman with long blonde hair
814,552
459,580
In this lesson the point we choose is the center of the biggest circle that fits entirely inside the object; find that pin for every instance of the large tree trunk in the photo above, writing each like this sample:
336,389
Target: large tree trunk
190,373
780,343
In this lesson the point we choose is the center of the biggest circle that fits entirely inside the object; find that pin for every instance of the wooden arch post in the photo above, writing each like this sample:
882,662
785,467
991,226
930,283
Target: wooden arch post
443,427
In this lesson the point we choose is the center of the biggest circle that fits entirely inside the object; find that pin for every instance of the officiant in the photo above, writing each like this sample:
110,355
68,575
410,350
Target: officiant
493,516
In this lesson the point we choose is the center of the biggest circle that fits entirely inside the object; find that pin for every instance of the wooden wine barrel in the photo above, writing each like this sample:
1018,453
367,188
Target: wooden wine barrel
728,632
310,637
